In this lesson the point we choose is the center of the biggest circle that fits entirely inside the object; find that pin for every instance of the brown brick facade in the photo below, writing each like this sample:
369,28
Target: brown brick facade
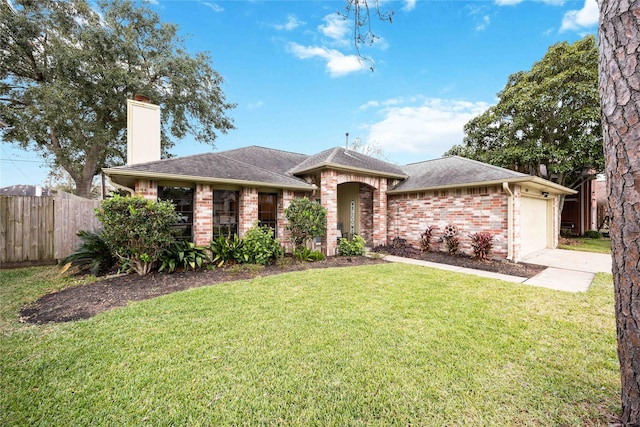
382,217
471,210
203,214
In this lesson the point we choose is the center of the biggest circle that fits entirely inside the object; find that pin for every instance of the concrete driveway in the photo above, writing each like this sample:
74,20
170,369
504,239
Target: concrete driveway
571,271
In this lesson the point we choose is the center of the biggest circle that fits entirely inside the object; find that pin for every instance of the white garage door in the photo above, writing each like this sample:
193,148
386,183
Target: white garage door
534,230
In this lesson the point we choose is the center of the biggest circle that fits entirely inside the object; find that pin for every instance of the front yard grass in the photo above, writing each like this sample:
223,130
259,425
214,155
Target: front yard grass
602,245
389,344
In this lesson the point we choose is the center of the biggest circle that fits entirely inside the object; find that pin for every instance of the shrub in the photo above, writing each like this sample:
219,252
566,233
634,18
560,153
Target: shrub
137,230
481,244
592,234
260,247
425,238
183,254
306,254
226,250
353,247
93,254
453,244
306,220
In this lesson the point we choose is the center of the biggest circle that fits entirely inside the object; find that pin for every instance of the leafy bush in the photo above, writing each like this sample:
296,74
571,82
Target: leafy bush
306,220
183,254
137,230
453,244
260,247
481,244
93,254
306,254
354,247
226,250
592,234
425,238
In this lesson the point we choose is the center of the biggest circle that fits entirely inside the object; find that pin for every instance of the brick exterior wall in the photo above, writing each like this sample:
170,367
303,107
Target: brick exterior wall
380,221
329,199
471,210
203,214
366,213
146,188
248,207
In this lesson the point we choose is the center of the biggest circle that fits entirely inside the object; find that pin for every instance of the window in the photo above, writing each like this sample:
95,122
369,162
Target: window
182,198
268,210
225,213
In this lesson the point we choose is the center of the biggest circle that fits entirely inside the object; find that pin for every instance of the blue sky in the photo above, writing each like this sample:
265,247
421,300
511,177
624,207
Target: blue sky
290,67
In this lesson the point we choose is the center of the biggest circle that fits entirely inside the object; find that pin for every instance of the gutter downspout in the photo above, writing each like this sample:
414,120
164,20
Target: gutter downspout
505,186
131,191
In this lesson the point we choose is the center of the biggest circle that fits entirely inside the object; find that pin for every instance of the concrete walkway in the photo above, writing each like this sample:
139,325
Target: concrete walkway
570,271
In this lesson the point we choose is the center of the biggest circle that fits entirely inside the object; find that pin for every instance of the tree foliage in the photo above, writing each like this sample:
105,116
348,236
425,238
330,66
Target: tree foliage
547,120
306,220
66,71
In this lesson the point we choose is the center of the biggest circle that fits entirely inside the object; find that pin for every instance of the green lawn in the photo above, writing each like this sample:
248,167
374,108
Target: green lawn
602,246
380,345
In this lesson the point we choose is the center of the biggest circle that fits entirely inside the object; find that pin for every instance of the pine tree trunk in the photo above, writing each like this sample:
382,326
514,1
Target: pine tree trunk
619,67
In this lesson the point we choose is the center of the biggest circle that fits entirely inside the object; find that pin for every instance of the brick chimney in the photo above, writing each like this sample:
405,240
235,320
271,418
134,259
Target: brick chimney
143,131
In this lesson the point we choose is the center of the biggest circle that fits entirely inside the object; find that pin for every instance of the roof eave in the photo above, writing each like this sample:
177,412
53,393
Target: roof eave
203,179
537,181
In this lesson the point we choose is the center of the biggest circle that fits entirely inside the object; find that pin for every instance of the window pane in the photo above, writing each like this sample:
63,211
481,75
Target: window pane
268,210
225,213
182,198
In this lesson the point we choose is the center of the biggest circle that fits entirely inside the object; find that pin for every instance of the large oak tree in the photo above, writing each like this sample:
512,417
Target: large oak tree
66,71
547,120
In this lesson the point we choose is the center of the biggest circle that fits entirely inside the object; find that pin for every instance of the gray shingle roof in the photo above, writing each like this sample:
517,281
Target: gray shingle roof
451,171
253,164
349,159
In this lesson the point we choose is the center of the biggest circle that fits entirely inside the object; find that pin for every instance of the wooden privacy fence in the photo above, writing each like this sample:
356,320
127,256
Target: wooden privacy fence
41,229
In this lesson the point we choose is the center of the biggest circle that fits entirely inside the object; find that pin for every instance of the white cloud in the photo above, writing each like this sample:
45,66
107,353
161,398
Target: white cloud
579,19
335,27
508,2
338,64
426,130
291,24
255,105
213,6
484,23
409,5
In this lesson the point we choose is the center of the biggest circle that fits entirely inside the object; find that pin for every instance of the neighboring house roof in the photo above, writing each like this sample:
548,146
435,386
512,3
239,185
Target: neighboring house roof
24,190
455,171
341,158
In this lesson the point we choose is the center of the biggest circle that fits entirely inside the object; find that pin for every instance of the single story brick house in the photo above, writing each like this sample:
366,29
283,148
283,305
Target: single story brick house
225,192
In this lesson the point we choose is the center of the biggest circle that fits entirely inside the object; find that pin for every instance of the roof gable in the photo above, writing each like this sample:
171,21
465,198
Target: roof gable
339,157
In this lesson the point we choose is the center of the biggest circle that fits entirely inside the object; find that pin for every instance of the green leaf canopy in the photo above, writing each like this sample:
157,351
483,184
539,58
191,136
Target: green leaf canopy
547,120
66,71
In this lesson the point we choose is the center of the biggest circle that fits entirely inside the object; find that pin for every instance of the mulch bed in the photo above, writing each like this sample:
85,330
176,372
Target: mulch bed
462,260
85,301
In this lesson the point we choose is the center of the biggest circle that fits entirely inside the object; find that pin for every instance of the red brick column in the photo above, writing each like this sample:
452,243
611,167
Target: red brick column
248,209
380,213
329,200
146,188
203,214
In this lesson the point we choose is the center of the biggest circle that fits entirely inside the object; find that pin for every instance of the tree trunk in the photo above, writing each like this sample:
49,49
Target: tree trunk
619,67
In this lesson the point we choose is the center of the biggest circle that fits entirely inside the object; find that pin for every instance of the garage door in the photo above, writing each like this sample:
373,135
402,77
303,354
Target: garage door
534,230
